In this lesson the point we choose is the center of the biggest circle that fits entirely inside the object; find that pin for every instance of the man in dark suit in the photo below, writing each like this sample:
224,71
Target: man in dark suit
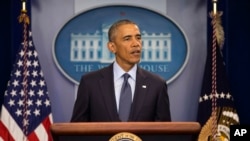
98,96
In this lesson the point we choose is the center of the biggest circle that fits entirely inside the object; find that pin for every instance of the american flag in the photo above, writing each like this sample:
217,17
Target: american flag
26,111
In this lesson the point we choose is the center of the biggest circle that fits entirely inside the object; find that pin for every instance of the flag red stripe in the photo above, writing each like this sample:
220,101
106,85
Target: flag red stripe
4,133
46,123
32,137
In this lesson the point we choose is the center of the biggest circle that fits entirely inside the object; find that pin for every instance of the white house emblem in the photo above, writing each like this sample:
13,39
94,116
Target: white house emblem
80,46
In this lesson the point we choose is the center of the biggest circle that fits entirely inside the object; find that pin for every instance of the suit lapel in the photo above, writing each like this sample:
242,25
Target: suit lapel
140,93
108,92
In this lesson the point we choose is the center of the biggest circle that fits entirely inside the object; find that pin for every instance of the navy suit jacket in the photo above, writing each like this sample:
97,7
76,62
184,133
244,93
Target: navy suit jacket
96,98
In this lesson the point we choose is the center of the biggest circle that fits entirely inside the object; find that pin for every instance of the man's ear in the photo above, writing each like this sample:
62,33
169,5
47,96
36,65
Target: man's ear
111,47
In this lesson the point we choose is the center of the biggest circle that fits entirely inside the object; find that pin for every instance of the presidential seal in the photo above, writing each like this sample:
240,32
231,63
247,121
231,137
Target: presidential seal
125,136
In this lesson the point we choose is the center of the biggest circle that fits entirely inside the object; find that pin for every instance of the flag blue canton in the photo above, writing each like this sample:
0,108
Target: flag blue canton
37,100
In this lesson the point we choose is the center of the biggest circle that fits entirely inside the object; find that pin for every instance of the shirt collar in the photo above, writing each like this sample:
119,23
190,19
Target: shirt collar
118,71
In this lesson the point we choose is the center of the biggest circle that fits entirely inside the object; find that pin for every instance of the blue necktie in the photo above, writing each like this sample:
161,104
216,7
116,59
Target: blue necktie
125,99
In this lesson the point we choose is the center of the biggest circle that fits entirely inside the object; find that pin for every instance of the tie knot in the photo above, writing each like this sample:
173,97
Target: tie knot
126,76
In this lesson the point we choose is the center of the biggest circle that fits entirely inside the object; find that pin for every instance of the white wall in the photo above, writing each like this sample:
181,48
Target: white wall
48,16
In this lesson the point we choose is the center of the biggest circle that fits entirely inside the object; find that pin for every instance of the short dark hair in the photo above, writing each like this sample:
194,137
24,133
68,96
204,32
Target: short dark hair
115,25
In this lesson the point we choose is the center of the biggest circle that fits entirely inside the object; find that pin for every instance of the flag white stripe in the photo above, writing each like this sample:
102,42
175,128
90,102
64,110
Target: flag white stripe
11,125
50,118
41,133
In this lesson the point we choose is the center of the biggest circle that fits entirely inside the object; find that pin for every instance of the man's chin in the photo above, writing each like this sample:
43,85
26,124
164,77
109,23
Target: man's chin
137,61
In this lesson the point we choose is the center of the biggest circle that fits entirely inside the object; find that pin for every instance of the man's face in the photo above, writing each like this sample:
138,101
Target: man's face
127,45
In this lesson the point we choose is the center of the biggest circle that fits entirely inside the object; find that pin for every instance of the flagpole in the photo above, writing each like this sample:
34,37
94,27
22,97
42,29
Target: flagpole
216,26
213,15
24,19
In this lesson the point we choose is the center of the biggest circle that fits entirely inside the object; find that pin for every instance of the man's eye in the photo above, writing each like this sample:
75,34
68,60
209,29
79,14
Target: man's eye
138,37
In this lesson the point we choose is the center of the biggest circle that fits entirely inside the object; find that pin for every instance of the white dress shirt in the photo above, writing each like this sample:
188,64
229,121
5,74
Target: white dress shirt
118,81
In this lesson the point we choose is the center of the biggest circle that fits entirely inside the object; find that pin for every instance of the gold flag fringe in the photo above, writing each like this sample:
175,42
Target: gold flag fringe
219,31
24,18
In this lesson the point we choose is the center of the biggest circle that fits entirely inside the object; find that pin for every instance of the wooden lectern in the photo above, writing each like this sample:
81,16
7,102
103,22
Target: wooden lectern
147,131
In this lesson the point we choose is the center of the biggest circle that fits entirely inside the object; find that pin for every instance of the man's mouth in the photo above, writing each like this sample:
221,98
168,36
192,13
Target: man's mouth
136,52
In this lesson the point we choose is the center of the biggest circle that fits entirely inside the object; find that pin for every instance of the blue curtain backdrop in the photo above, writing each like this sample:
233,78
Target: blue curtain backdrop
236,50
5,48
10,39
238,55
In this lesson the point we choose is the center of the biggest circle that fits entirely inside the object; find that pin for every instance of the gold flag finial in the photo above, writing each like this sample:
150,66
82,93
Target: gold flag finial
23,16
214,6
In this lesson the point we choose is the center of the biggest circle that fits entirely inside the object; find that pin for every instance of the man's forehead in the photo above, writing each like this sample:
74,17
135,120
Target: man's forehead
128,28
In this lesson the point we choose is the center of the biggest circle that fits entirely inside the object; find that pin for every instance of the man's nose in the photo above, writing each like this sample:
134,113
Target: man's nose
136,43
